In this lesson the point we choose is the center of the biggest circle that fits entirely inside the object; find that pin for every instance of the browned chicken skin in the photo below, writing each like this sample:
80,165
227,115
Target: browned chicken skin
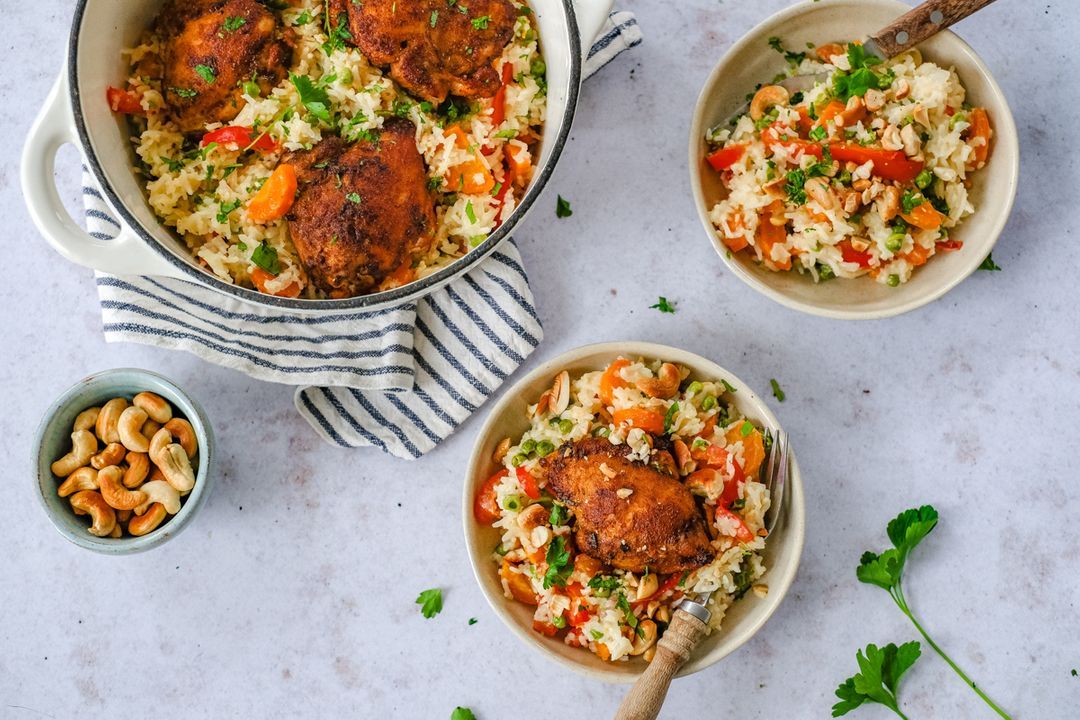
657,526
363,211
432,47
211,47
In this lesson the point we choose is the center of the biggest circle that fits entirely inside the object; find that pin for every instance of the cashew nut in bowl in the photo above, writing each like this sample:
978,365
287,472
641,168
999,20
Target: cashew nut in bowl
157,407
148,521
766,98
129,427
158,442
176,467
155,473
85,478
83,447
185,435
138,468
150,427
113,454
108,418
161,492
122,516
114,493
87,419
664,385
103,516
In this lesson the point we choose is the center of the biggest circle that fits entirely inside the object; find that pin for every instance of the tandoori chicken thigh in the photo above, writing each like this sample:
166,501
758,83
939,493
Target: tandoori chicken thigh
363,211
210,49
433,48
629,515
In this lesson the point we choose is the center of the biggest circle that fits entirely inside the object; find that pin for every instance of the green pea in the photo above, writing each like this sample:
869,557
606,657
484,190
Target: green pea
538,67
693,388
528,446
923,179
893,280
894,243
602,431
544,448
566,426
347,76
513,503
501,550
844,178
708,403
518,459
559,622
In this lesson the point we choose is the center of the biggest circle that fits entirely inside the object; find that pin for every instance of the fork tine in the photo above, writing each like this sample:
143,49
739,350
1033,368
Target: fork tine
778,479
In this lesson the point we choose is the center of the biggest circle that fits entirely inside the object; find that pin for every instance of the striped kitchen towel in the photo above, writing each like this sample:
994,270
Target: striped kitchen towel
400,379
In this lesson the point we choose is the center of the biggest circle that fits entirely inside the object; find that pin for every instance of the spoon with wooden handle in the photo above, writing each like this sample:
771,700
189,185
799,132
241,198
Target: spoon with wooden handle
688,625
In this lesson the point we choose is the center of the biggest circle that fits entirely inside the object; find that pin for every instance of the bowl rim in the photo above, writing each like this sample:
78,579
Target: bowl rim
1005,127
794,534
127,545
374,301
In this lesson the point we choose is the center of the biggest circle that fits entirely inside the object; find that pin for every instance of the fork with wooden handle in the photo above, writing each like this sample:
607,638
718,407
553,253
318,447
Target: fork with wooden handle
691,617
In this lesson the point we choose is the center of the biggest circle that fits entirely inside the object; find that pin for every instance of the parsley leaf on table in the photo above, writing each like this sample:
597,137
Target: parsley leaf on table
663,305
562,208
430,602
880,670
462,713
776,391
886,570
989,264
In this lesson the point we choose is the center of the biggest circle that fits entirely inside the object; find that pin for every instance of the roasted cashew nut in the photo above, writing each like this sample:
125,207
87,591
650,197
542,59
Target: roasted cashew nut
176,467
150,427
129,427
86,419
103,516
644,638
113,454
114,493
108,418
664,385
85,478
766,98
137,470
83,447
157,407
161,492
148,521
185,435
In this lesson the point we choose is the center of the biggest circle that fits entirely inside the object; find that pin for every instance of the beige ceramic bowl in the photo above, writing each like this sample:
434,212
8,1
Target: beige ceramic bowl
507,419
750,61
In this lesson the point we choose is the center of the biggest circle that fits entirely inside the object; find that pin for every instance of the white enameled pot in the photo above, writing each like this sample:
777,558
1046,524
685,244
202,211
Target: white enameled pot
76,112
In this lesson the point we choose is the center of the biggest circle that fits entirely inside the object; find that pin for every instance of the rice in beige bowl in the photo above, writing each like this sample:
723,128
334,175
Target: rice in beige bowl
204,189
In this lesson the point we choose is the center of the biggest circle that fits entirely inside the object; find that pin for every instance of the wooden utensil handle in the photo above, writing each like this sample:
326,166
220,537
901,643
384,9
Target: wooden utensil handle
645,699
923,22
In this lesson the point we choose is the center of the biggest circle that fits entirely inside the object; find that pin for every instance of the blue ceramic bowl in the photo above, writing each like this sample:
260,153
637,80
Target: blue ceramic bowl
54,440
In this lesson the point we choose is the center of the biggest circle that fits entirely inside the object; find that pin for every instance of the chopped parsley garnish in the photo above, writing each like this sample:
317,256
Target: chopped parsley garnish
462,713
663,305
989,264
470,212
303,18
861,77
472,621
354,198
628,614
818,132
596,634
562,208
225,210
430,602
173,165
776,391
909,201
728,386
337,36
480,23
558,514
313,97
206,73
266,258
795,180
234,23
792,57
434,18
669,417
559,564
604,585
185,92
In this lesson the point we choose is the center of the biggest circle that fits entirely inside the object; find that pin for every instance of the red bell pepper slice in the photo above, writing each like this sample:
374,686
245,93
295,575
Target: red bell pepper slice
241,137
888,164
486,503
742,533
725,157
528,483
851,255
732,485
498,103
950,245
126,102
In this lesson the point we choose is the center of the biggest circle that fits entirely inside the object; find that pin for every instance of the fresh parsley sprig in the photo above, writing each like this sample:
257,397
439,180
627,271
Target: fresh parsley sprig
430,602
880,670
886,571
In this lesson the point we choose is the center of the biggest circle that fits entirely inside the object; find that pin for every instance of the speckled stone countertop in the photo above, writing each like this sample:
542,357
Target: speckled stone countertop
291,595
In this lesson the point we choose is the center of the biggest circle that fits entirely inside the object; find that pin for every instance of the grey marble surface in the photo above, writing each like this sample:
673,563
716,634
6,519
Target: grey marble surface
291,595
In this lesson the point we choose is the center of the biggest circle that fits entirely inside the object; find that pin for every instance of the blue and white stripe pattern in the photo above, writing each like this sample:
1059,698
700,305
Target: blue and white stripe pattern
400,379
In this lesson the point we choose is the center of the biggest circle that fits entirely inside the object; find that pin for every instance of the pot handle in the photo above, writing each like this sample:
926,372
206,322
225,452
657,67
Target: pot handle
126,254
591,15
